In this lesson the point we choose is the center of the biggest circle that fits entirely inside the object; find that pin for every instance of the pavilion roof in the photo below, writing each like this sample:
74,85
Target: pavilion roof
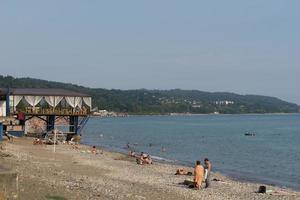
41,92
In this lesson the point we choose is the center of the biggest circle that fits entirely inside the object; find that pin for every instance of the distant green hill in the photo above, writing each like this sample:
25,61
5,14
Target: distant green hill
144,101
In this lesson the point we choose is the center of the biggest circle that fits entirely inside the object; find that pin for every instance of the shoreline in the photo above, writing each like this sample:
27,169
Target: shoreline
194,114
78,174
234,176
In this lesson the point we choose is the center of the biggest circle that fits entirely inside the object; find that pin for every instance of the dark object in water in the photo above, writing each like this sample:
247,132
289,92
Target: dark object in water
249,134
262,189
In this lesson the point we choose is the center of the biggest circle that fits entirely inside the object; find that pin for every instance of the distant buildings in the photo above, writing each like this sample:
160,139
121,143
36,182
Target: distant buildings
220,103
105,113
193,103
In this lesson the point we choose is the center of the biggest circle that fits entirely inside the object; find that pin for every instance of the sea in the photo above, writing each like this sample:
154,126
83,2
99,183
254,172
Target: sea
271,155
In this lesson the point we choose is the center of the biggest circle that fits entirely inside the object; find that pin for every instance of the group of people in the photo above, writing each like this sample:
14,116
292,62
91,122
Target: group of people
141,159
202,173
144,159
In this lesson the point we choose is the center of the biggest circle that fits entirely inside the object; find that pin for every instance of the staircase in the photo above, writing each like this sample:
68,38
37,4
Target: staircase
82,124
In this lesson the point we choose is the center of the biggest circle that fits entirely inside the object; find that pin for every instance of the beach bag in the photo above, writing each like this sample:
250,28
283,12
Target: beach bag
262,189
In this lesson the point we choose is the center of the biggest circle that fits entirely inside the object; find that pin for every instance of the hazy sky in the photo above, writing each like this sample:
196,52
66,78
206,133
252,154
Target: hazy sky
243,46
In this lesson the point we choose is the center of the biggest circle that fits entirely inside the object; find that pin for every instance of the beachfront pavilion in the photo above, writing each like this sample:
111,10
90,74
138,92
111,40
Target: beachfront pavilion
46,104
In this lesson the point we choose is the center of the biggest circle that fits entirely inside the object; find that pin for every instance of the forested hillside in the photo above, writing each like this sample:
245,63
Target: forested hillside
144,101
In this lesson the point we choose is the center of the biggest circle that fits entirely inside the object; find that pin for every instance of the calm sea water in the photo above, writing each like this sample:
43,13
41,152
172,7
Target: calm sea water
272,156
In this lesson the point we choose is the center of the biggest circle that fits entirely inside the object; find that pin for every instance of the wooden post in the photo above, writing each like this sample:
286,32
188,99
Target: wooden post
54,140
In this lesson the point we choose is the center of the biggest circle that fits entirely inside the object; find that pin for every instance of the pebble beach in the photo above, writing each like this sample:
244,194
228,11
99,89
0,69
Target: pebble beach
77,173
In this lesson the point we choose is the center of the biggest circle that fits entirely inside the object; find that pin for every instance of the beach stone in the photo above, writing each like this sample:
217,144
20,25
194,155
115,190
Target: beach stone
8,183
139,197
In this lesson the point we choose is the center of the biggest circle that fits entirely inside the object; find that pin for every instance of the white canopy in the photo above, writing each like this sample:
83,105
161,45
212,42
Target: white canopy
14,101
88,101
33,100
53,101
74,101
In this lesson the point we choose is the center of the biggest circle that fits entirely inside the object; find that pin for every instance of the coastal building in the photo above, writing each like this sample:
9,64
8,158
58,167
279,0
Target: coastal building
226,102
196,106
105,113
19,105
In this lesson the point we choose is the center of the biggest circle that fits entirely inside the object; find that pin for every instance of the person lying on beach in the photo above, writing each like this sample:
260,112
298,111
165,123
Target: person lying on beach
198,175
183,172
37,141
144,159
148,160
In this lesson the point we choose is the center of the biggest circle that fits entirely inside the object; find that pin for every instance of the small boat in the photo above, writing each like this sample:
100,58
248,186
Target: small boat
249,134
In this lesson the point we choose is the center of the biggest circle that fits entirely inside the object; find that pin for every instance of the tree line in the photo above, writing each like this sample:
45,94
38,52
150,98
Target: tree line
144,101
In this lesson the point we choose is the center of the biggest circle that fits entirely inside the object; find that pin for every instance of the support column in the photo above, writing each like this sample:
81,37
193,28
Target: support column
7,105
74,124
50,122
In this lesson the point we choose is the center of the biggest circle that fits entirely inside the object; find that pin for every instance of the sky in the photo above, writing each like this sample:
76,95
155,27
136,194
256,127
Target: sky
241,46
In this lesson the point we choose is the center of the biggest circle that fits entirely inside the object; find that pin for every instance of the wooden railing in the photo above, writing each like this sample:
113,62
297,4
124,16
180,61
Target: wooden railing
56,111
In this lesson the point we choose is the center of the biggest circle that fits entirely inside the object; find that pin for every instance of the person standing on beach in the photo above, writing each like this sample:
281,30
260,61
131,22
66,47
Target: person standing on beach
207,167
94,150
198,174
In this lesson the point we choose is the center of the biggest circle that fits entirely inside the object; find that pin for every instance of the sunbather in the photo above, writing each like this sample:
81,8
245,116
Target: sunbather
144,159
148,160
183,172
37,141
